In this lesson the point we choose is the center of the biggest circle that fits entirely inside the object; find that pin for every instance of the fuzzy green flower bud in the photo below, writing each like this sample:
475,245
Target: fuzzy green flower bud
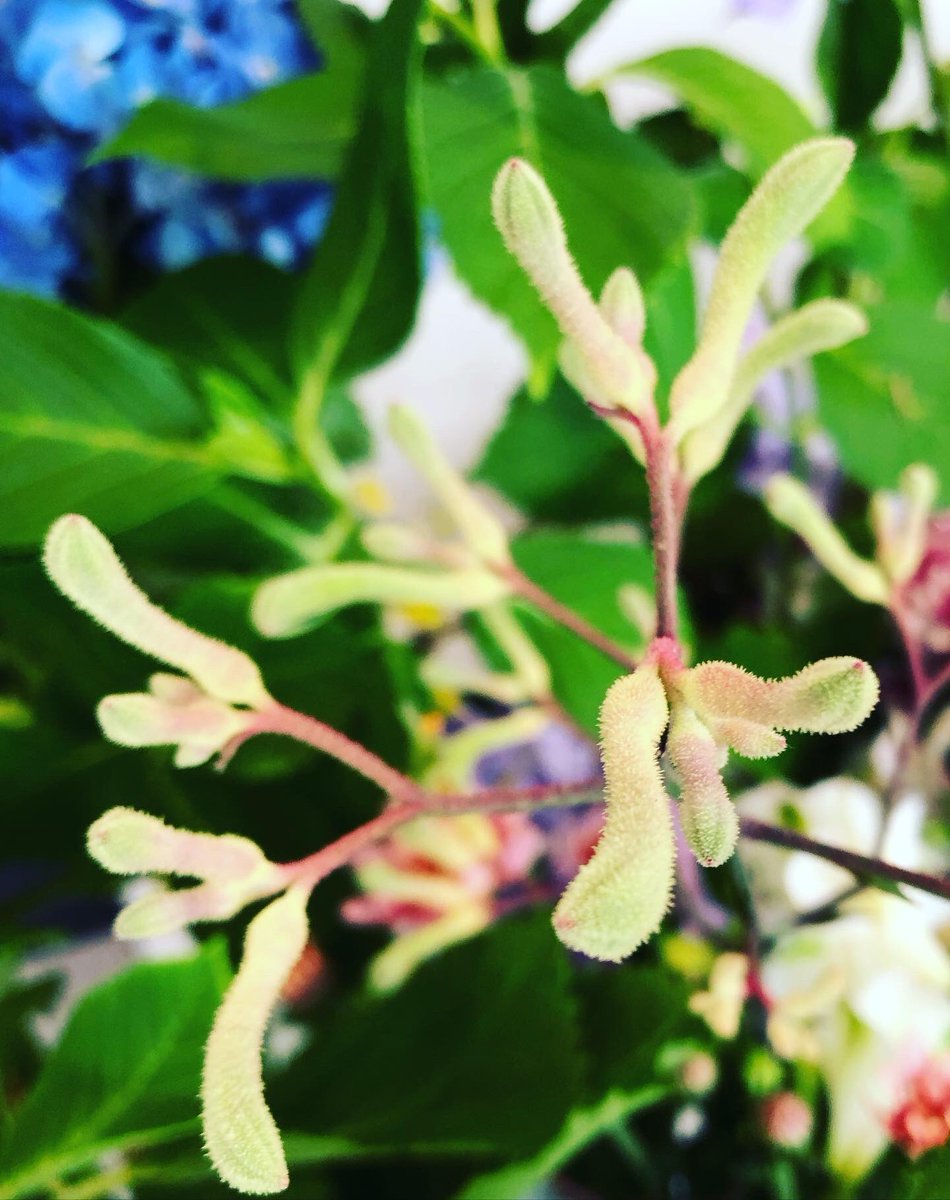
531,226
791,193
832,695
793,504
710,822
480,528
621,302
289,604
86,569
618,898
241,1137
818,326
900,522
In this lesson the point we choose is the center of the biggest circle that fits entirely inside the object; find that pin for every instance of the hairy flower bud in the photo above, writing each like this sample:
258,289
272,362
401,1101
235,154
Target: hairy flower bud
791,193
480,528
710,822
833,695
86,569
241,1137
621,302
811,329
528,220
172,713
793,504
289,604
900,522
618,898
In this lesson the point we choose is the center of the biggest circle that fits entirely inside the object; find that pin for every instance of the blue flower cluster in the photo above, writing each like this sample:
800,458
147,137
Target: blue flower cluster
73,71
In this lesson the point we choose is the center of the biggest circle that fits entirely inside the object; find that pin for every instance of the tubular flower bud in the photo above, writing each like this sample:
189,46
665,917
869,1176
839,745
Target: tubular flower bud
710,822
128,842
900,522
172,713
794,505
621,303
832,695
86,569
289,604
791,193
241,1137
234,871
530,224
818,326
479,527
618,898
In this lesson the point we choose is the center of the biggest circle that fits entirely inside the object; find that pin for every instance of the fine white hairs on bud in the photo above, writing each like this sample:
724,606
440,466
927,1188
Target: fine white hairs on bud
289,604
480,528
618,898
82,563
833,695
172,713
710,822
815,327
789,196
233,869
241,1137
530,224
793,504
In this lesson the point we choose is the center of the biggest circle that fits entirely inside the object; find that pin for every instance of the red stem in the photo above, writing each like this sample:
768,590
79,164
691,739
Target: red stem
529,590
287,722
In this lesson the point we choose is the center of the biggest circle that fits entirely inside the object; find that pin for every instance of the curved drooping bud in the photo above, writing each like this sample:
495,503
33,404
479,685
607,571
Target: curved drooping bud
82,563
289,604
787,198
900,521
172,713
832,695
530,224
793,504
809,330
618,898
710,822
241,1137
480,528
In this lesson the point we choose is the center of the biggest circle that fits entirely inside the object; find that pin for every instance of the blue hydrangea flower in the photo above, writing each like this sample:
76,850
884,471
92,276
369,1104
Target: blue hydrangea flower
73,71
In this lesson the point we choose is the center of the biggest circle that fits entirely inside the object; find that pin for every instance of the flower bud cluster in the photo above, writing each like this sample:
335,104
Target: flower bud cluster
618,899
900,522
200,711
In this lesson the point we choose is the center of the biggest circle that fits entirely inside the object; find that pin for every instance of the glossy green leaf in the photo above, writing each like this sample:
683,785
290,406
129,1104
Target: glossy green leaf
858,54
91,420
623,204
370,250
884,397
297,130
124,1073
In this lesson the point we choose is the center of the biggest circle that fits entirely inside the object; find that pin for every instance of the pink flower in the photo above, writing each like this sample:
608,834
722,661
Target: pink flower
922,1120
926,594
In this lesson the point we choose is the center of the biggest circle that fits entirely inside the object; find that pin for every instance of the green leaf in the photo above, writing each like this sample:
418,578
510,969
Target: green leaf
296,130
732,100
125,1072
370,250
858,54
476,1052
740,105
92,420
884,397
586,575
626,1017
622,202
